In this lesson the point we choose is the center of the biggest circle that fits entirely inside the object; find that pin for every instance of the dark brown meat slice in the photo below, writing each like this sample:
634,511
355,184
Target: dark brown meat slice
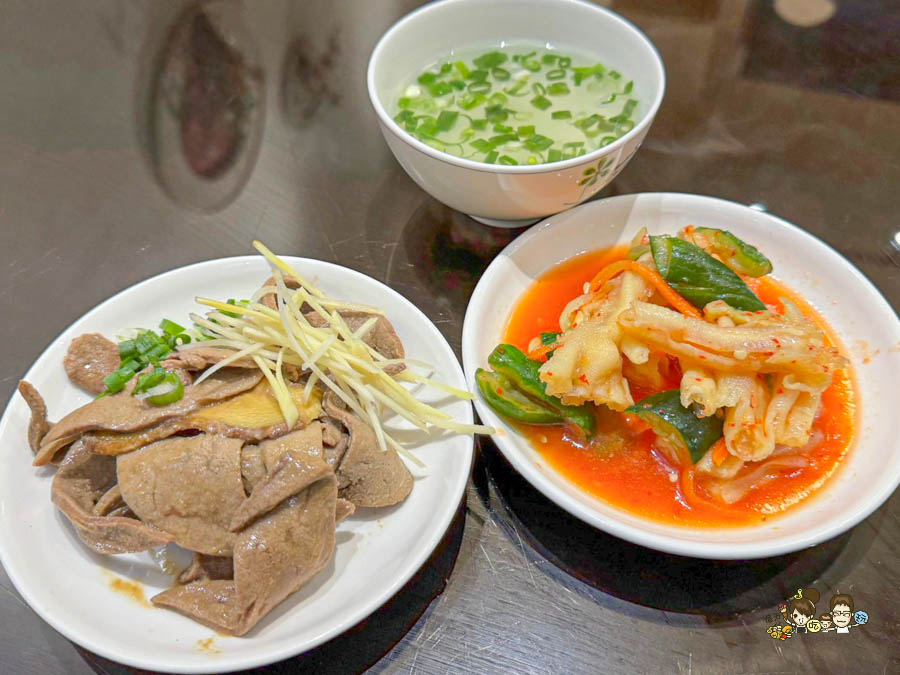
269,299
368,476
109,502
381,337
38,426
331,432
212,602
189,487
90,358
335,441
292,462
81,481
200,357
123,412
250,416
299,537
105,443
252,468
277,552
207,567
253,471
344,509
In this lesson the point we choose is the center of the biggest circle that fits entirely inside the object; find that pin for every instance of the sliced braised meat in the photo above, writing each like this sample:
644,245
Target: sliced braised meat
189,487
335,441
276,553
212,603
207,567
109,502
251,415
332,432
292,462
269,298
344,509
113,444
299,542
334,455
200,357
38,426
368,476
80,483
253,470
90,358
123,412
381,337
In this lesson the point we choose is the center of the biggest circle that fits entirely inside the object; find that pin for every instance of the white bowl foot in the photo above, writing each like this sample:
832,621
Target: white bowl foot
494,222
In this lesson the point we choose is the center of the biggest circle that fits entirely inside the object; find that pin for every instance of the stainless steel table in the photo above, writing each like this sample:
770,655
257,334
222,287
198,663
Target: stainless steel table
767,103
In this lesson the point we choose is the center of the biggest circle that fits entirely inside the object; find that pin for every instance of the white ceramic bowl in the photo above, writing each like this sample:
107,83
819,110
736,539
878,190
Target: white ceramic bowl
510,196
859,315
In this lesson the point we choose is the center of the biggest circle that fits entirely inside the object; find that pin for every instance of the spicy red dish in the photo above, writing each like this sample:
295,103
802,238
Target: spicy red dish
697,391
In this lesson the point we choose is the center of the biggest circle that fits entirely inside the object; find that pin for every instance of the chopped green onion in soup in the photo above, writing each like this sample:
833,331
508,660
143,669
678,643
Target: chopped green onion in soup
517,104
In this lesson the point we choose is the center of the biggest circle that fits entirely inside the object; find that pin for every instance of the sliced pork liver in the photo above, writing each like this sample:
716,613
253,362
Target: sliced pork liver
189,487
207,567
299,536
123,412
251,415
38,426
89,359
292,462
368,476
200,357
210,602
381,337
279,550
82,480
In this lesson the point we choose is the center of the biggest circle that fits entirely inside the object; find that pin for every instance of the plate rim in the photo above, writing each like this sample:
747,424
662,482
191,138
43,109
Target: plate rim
667,543
220,665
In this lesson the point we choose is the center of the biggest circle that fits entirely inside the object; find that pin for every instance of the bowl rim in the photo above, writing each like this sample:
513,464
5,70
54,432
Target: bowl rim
669,542
639,128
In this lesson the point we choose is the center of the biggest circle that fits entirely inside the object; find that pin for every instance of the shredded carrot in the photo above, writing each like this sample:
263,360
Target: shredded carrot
687,485
720,452
540,353
650,275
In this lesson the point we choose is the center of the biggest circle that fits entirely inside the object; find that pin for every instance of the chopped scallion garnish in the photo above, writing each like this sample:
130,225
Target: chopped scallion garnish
538,143
446,120
172,328
507,99
490,59
170,390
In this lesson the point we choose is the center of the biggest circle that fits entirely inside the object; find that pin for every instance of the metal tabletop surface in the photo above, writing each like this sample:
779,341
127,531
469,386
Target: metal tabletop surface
791,105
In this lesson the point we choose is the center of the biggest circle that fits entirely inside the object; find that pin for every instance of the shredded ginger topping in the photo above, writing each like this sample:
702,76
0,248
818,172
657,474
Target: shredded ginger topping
331,354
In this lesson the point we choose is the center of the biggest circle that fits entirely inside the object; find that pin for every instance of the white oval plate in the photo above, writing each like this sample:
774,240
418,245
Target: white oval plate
377,551
854,308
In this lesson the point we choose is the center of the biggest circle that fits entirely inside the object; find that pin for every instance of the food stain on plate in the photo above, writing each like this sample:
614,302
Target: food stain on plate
207,646
133,590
